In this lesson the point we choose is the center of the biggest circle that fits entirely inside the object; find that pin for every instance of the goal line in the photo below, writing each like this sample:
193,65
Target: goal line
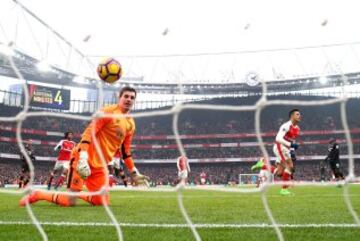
197,225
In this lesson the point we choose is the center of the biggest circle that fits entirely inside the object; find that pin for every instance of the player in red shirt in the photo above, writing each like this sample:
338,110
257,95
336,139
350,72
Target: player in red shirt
64,147
202,178
183,169
284,144
116,168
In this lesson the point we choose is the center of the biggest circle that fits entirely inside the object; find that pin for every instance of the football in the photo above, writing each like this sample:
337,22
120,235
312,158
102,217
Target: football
109,70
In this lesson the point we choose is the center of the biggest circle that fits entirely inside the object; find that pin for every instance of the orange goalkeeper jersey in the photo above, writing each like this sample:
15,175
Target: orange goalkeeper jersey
111,133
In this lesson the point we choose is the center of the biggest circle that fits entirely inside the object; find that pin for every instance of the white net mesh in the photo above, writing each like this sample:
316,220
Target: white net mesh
260,105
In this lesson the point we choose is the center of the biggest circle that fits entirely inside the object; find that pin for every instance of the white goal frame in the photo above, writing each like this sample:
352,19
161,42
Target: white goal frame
242,175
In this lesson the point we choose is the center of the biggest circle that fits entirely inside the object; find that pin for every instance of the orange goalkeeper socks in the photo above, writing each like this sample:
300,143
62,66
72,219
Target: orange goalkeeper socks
96,200
64,200
59,199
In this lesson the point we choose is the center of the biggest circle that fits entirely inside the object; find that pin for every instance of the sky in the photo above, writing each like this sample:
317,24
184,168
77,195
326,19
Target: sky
133,30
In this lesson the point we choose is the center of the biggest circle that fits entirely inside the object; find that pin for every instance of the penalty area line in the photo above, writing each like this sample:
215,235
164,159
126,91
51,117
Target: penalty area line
199,225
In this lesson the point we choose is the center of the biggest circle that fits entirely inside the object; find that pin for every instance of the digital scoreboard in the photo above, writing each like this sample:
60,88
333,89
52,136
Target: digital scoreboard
50,98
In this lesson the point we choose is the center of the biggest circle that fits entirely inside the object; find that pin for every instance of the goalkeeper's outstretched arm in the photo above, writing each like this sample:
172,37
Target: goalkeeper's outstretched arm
137,178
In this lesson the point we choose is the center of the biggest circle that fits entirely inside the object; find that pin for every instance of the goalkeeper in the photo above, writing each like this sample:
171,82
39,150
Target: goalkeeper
86,167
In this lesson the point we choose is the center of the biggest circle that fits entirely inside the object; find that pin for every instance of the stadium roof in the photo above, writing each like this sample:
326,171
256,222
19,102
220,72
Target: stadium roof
189,41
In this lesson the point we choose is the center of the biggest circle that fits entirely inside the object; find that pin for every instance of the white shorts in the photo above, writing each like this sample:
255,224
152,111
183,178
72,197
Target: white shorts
202,180
281,152
115,162
264,174
183,174
59,165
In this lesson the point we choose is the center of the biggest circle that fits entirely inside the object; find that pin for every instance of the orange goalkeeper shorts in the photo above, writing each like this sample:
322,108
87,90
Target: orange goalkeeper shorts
93,183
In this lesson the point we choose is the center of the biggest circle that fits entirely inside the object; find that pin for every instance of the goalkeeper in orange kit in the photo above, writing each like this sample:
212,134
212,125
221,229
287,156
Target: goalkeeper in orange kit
86,166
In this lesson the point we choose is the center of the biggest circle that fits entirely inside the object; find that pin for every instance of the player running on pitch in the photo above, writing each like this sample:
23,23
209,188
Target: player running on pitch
65,147
86,167
284,142
183,169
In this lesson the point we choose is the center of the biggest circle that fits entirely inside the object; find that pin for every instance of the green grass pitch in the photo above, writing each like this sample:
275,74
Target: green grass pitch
310,205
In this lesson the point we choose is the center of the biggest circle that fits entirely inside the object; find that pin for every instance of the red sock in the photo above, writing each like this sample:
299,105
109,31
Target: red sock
50,180
60,181
111,180
285,178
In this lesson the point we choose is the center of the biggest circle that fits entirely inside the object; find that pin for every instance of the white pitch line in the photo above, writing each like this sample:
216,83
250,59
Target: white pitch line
200,225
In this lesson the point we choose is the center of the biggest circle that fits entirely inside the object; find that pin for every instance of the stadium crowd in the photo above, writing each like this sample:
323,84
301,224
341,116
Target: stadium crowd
194,122
166,173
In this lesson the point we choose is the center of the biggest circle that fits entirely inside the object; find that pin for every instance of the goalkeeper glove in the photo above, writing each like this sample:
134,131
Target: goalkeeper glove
294,145
83,167
139,179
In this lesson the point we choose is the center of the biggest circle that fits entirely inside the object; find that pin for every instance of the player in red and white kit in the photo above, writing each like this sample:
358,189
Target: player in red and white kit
183,169
266,170
202,178
65,147
116,168
284,144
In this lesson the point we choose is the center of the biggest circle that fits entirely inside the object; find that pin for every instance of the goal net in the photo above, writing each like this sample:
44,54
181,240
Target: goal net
267,98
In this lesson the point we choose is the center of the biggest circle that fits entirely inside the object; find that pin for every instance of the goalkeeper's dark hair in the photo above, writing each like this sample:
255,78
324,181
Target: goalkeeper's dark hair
292,112
66,134
127,88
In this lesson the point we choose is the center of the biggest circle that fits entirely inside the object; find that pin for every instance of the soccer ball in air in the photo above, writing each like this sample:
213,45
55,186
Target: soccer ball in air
109,70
